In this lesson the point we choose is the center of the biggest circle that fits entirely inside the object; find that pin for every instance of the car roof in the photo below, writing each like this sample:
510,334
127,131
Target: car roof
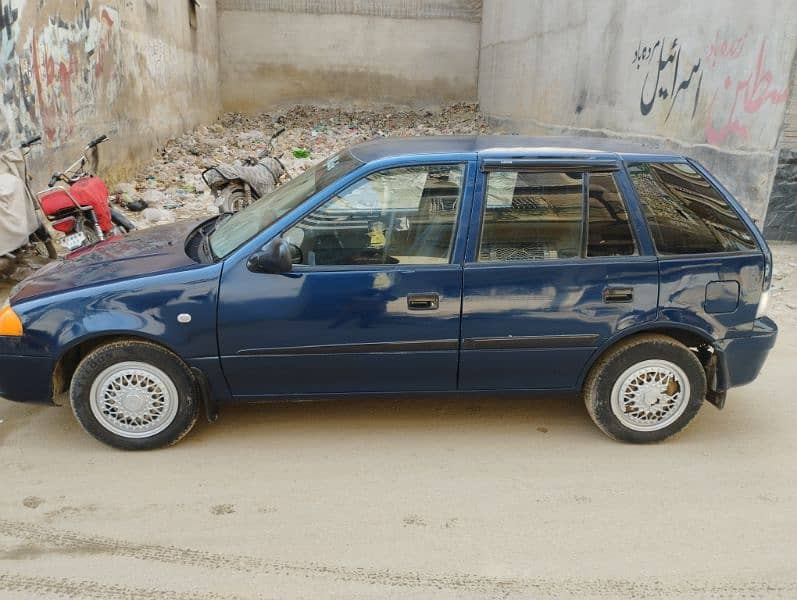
501,146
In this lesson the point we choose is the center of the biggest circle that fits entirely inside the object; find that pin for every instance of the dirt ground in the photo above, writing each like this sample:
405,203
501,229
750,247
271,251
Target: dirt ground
472,498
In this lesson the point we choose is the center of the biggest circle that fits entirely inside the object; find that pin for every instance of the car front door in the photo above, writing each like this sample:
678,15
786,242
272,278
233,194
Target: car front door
373,302
552,271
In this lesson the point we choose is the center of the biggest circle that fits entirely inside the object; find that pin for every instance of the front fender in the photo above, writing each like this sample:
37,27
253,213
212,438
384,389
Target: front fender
147,307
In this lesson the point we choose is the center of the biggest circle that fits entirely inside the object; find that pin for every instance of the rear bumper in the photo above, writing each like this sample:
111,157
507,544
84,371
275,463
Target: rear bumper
740,359
26,378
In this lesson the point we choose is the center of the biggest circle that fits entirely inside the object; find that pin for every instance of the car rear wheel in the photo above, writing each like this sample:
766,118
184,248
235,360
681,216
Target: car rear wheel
645,389
134,395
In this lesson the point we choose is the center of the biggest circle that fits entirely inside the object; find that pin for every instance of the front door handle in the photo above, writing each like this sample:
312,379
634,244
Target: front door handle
423,301
618,294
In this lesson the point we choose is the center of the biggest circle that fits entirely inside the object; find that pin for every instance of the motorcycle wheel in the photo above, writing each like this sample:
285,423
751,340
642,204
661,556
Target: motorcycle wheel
122,223
43,243
45,248
87,227
234,201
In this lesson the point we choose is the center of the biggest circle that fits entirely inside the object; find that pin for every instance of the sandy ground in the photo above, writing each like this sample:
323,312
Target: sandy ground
487,498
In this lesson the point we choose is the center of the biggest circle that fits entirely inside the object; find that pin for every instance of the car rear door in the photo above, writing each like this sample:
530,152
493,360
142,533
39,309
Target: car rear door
373,304
553,270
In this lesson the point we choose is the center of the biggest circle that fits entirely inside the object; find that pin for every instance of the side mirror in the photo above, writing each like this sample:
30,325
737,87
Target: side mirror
275,257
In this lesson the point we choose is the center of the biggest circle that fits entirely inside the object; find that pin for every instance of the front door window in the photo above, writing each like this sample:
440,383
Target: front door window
405,215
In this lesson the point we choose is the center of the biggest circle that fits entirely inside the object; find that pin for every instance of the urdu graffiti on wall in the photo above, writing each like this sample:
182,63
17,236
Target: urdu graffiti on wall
670,78
742,96
740,84
55,73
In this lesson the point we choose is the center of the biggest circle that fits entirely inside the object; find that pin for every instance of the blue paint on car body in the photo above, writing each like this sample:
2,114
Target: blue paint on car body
345,329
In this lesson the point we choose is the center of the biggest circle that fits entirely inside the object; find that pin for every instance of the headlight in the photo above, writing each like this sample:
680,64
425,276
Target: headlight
10,325
763,304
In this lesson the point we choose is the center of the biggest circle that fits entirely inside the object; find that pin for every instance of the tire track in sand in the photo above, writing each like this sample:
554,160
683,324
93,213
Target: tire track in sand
46,538
73,542
71,588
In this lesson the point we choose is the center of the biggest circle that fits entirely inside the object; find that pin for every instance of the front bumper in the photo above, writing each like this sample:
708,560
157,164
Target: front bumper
26,378
739,360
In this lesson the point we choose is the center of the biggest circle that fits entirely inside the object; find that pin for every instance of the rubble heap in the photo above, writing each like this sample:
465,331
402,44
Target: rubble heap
171,184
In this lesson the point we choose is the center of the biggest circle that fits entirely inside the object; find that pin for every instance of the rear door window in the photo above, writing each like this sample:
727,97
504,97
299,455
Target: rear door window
532,216
685,213
539,216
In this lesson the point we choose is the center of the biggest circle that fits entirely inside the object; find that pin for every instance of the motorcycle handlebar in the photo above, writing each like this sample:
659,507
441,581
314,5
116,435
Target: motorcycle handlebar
98,141
54,179
34,140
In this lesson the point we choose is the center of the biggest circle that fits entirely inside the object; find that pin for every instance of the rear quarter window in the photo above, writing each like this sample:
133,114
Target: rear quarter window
686,215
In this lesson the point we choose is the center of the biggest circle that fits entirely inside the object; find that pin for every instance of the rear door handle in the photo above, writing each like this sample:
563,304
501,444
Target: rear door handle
423,301
618,294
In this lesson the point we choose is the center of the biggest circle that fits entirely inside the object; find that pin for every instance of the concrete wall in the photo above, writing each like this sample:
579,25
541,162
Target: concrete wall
73,69
781,221
413,52
709,79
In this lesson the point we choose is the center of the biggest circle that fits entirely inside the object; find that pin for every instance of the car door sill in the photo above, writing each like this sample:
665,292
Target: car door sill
443,393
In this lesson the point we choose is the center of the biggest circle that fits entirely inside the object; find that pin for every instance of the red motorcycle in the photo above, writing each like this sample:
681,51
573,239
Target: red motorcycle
79,207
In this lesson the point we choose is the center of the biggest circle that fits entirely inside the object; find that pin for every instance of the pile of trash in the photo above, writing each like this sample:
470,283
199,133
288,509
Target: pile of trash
170,186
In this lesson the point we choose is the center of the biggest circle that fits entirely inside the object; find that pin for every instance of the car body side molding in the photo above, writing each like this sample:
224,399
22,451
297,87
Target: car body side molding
369,347
529,341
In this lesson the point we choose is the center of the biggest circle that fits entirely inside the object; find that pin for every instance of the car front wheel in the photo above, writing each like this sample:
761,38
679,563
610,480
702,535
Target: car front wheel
134,395
645,389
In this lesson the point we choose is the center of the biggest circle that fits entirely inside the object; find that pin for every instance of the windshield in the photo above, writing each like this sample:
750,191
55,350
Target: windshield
242,226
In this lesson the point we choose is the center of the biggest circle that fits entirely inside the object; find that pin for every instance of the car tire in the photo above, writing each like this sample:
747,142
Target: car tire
134,395
645,389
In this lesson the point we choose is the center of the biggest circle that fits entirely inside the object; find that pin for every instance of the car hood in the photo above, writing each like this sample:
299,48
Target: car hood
142,252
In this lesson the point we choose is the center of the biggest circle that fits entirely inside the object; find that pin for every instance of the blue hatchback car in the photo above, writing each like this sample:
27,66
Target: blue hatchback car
413,265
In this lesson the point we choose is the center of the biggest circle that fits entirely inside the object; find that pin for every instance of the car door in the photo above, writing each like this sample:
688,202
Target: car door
373,301
553,270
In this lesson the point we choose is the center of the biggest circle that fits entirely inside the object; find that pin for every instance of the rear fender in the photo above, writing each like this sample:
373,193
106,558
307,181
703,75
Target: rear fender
688,334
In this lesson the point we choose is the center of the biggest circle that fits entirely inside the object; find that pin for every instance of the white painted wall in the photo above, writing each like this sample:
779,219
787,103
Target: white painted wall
276,52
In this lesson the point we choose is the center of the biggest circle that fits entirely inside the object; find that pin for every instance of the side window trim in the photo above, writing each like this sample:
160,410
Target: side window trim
625,200
640,227
584,242
550,165
466,188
